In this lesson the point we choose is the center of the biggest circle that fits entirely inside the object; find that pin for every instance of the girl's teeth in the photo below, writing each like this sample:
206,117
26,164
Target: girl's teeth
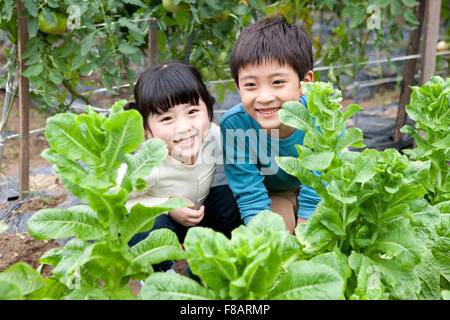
186,140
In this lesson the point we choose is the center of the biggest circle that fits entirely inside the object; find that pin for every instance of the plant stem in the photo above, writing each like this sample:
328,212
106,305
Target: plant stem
3,124
74,93
344,220
344,215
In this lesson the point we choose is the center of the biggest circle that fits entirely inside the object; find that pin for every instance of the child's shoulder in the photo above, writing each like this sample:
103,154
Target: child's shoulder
234,114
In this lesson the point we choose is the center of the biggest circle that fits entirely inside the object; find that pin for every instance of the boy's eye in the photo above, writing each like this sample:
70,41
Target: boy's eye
249,84
278,82
166,119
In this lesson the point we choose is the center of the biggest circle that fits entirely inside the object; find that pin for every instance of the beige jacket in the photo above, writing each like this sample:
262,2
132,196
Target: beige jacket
176,179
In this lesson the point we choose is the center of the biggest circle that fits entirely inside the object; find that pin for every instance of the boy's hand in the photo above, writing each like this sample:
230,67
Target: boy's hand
187,217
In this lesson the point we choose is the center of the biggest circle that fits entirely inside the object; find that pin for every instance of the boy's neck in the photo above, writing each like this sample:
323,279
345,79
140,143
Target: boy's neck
281,133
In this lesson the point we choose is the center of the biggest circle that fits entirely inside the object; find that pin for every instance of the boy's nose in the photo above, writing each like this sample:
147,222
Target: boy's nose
265,97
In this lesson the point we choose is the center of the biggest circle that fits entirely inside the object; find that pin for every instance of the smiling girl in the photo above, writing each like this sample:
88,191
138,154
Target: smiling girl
177,108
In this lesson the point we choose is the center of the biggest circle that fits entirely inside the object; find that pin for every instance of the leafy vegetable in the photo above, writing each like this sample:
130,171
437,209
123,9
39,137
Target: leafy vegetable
86,152
372,202
256,263
430,108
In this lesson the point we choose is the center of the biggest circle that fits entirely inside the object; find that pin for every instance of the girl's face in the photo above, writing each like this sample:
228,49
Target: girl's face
183,128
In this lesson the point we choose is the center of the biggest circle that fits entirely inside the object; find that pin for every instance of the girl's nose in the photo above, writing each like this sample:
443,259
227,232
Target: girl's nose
183,125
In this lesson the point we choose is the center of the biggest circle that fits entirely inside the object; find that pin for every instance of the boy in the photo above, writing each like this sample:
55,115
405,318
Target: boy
268,61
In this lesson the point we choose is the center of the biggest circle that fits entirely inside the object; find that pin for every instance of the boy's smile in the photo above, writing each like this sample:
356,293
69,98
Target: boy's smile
266,113
264,88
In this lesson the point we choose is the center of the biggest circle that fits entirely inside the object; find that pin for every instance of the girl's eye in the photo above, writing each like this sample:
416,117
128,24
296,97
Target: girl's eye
278,82
192,111
166,119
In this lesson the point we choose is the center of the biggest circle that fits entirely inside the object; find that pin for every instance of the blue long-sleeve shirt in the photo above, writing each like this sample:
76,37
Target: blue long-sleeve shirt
250,167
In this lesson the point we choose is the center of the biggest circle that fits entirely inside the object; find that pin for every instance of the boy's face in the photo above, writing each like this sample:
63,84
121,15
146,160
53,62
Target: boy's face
264,88
183,128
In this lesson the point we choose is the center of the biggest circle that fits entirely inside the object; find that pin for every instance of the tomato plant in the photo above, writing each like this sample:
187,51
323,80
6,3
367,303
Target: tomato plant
70,41
56,25
103,40
103,37
174,5
359,23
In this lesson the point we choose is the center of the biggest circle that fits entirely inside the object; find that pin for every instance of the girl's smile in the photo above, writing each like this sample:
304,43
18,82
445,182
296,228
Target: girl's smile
183,128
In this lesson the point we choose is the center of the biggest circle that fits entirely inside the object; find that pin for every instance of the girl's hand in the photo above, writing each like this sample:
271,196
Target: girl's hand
187,217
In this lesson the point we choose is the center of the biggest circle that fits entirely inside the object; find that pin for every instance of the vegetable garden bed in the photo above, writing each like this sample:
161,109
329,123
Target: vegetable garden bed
21,247
380,232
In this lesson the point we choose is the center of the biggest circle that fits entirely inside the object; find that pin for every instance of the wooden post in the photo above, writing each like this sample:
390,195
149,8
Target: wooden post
152,42
24,106
410,71
431,31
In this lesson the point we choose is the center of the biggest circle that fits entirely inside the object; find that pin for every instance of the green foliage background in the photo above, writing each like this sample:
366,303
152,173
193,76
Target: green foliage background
110,40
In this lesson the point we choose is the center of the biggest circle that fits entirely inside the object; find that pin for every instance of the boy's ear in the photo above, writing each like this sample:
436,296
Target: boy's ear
148,134
237,86
309,77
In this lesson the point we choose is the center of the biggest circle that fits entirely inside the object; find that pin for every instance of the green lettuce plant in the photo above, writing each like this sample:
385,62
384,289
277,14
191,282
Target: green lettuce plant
371,204
430,108
86,151
258,262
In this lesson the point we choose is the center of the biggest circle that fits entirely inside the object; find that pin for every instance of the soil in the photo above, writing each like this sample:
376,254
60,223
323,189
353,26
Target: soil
34,204
181,267
21,247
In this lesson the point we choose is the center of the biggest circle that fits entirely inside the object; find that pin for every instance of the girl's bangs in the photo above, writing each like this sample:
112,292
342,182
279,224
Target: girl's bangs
182,91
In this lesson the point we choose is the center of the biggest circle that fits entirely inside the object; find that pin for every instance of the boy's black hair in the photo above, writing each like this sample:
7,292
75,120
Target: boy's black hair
163,86
272,38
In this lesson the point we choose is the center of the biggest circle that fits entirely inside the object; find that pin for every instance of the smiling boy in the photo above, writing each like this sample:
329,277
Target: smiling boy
268,61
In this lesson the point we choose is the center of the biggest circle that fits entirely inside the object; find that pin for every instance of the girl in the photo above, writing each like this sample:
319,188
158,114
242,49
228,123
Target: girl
177,108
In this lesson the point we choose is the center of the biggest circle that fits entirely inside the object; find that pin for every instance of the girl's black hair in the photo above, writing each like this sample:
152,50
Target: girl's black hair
165,85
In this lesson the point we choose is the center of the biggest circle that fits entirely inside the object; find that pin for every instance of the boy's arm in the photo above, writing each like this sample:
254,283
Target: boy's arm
245,180
247,185
307,200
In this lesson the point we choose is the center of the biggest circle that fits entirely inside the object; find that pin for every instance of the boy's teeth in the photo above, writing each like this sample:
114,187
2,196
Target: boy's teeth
267,112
